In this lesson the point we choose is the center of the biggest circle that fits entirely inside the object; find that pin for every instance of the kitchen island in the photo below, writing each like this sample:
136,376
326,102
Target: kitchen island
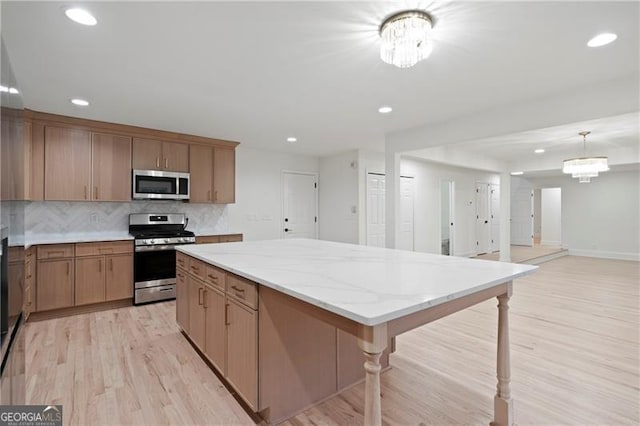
282,321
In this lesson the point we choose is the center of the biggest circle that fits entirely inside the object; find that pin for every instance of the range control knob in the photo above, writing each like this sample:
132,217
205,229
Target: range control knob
152,241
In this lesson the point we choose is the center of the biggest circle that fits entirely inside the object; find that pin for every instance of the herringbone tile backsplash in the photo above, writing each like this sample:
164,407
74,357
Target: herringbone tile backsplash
50,217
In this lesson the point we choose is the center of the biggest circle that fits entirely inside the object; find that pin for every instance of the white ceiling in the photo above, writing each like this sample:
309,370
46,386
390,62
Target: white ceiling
258,72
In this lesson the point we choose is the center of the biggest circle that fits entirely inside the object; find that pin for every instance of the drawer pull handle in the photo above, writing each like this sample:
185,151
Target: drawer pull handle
226,315
213,277
204,299
200,295
111,264
238,290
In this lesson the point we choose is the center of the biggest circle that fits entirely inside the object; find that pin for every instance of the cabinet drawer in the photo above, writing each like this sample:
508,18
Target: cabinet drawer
230,238
54,251
182,260
197,268
215,276
242,290
102,248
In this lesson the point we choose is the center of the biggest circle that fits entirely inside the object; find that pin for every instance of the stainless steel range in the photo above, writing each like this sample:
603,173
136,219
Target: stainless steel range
154,262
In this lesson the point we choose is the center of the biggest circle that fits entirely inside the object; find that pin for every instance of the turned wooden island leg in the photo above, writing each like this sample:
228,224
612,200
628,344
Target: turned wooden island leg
372,340
502,402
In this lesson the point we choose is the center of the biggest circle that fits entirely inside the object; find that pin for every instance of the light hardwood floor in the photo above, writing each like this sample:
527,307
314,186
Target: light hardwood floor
574,355
520,254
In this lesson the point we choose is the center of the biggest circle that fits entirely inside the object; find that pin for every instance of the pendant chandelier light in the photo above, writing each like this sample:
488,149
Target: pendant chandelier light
405,38
584,168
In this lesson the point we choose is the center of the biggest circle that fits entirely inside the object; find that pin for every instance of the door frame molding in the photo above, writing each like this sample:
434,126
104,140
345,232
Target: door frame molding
282,183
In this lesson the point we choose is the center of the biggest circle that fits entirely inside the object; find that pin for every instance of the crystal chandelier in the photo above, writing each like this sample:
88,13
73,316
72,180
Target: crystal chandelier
585,168
405,38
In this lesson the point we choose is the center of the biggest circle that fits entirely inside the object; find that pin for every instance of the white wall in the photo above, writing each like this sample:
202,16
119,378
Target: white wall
338,193
601,218
428,178
551,219
257,212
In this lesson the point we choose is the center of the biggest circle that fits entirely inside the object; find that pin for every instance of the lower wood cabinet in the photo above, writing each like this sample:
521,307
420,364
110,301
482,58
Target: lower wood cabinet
102,277
221,321
242,350
182,297
83,273
55,284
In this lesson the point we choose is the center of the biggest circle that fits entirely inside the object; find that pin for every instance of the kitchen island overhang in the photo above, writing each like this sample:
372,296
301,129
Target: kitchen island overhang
371,293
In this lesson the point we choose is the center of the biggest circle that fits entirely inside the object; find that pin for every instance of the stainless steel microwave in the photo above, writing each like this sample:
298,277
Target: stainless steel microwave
159,185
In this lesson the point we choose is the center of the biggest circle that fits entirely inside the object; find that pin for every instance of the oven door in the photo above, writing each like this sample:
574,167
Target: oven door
154,266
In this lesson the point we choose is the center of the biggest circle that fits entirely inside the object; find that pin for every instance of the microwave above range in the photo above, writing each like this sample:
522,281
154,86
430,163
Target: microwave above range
159,185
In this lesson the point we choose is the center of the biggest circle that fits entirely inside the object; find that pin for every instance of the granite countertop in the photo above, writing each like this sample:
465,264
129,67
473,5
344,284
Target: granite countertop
369,285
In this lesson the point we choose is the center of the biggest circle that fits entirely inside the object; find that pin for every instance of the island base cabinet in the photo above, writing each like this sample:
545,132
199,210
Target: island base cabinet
55,279
216,328
196,312
182,300
242,350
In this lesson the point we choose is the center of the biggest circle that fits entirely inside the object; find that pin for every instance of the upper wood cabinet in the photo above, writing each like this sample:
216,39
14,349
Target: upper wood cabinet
111,161
213,175
201,161
224,175
67,164
152,154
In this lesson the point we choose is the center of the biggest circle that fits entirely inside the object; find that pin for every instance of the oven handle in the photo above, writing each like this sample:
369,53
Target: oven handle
163,247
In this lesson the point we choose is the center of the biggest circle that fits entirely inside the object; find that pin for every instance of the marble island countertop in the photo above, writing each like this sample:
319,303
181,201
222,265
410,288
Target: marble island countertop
366,284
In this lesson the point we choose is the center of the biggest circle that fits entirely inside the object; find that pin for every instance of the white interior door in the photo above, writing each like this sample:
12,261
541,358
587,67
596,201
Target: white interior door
446,217
300,219
375,210
495,217
483,230
406,213
522,216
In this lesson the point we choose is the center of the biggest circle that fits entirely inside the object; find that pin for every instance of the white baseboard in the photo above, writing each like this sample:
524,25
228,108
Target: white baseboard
605,254
550,243
467,254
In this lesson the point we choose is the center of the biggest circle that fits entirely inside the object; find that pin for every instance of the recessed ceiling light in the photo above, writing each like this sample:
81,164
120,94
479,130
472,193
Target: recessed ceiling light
516,173
539,151
292,139
13,90
4,89
602,39
385,110
80,102
80,16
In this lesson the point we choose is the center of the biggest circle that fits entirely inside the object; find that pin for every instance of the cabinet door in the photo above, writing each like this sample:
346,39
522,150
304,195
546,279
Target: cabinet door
196,312
119,280
90,274
67,164
242,356
36,162
54,284
111,161
175,157
146,154
201,170
215,328
182,300
224,176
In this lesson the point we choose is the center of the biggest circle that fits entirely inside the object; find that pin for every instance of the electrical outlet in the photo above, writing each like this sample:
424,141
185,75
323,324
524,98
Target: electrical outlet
93,218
